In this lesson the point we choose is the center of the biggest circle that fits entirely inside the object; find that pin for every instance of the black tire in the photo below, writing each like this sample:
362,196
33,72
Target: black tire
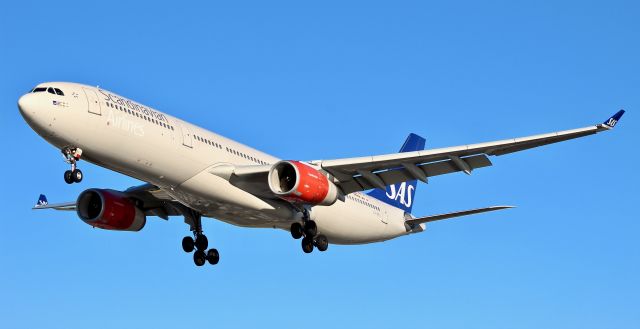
322,243
199,258
307,245
202,242
188,244
213,256
77,175
68,177
310,229
296,230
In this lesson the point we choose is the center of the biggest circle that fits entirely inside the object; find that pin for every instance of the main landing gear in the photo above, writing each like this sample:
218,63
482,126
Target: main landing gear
308,231
199,242
72,156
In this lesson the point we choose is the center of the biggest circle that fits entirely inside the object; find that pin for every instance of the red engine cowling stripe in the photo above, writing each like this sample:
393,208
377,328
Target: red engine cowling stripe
312,186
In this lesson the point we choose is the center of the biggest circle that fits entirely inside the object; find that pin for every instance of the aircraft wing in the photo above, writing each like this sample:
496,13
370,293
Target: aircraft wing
71,206
378,171
155,201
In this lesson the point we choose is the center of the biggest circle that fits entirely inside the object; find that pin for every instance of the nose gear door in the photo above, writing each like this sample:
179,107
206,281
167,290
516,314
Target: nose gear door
93,102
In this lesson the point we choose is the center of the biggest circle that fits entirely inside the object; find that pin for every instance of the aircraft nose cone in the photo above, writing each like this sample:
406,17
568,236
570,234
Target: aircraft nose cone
30,109
26,105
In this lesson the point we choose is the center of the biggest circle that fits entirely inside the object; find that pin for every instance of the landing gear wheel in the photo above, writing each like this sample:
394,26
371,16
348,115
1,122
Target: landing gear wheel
296,231
199,258
201,242
322,243
188,244
213,257
77,175
68,177
307,245
310,229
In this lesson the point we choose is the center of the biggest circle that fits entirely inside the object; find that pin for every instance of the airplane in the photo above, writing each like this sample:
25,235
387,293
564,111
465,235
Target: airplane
193,173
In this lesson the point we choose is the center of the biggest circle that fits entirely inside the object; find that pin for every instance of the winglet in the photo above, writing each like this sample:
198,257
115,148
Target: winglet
612,121
42,201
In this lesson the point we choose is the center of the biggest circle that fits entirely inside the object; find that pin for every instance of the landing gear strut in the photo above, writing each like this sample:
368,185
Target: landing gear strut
308,231
199,241
72,156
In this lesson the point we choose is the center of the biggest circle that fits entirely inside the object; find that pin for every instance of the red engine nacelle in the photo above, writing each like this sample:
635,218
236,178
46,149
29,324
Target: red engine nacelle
298,182
109,210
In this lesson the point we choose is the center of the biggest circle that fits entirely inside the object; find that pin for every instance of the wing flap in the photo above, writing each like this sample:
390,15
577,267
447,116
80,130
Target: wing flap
399,175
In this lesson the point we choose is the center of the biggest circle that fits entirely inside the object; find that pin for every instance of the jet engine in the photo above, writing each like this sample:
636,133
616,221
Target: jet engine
298,182
109,210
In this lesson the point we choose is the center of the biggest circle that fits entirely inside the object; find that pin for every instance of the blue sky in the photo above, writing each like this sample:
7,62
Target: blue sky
328,80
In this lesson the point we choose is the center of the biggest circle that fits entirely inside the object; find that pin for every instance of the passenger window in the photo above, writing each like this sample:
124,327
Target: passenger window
58,91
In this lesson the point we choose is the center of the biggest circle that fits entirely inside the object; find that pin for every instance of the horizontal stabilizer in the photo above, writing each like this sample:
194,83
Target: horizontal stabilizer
433,218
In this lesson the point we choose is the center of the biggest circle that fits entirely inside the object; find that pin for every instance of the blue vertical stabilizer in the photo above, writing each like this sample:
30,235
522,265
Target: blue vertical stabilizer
402,195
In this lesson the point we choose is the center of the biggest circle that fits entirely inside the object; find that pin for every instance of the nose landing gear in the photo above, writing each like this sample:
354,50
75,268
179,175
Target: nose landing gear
72,156
308,231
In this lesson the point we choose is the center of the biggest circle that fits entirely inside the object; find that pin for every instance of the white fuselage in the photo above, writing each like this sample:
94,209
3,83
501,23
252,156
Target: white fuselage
136,140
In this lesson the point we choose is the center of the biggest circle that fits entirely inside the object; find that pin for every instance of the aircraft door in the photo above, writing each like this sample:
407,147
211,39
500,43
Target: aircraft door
93,101
187,138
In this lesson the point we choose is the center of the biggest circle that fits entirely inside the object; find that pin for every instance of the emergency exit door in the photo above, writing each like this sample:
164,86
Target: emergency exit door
93,101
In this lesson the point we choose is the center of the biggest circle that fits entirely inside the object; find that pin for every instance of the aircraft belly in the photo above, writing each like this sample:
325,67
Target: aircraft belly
350,224
215,197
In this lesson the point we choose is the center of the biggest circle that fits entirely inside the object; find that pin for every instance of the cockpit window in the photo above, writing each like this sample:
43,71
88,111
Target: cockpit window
51,91
39,89
58,92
